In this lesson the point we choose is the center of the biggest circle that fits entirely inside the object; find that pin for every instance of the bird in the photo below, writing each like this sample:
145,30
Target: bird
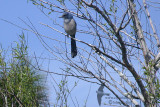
70,28
100,93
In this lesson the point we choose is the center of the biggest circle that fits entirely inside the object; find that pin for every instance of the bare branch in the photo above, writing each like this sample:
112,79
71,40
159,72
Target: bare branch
151,23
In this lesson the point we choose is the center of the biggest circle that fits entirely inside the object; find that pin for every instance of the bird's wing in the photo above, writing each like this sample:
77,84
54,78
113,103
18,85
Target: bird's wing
101,88
99,95
99,98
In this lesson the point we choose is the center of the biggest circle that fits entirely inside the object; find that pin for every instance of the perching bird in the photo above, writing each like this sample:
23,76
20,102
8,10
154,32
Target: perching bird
100,93
70,28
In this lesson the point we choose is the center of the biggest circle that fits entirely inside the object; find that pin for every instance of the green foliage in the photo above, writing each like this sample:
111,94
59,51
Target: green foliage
113,8
33,1
148,70
64,91
19,81
150,80
61,1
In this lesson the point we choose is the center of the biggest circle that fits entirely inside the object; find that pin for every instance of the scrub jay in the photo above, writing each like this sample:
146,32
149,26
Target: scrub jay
100,93
70,28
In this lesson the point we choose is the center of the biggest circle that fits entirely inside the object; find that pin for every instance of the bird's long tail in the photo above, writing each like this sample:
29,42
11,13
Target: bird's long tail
73,47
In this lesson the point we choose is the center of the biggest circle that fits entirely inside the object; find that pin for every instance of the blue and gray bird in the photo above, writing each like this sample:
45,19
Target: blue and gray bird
70,27
100,93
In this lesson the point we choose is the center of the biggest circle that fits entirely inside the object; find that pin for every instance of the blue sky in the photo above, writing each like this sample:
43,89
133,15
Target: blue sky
13,11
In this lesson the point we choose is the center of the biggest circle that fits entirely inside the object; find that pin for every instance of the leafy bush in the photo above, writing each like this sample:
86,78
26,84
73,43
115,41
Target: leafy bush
20,82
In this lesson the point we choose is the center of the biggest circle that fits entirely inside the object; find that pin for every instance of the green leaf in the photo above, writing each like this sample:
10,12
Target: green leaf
49,13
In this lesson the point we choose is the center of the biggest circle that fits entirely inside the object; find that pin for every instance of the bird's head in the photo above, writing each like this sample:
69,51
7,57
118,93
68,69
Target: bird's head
66,15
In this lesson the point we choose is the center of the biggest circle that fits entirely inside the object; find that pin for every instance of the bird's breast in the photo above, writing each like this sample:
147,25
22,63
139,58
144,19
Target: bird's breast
70,26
